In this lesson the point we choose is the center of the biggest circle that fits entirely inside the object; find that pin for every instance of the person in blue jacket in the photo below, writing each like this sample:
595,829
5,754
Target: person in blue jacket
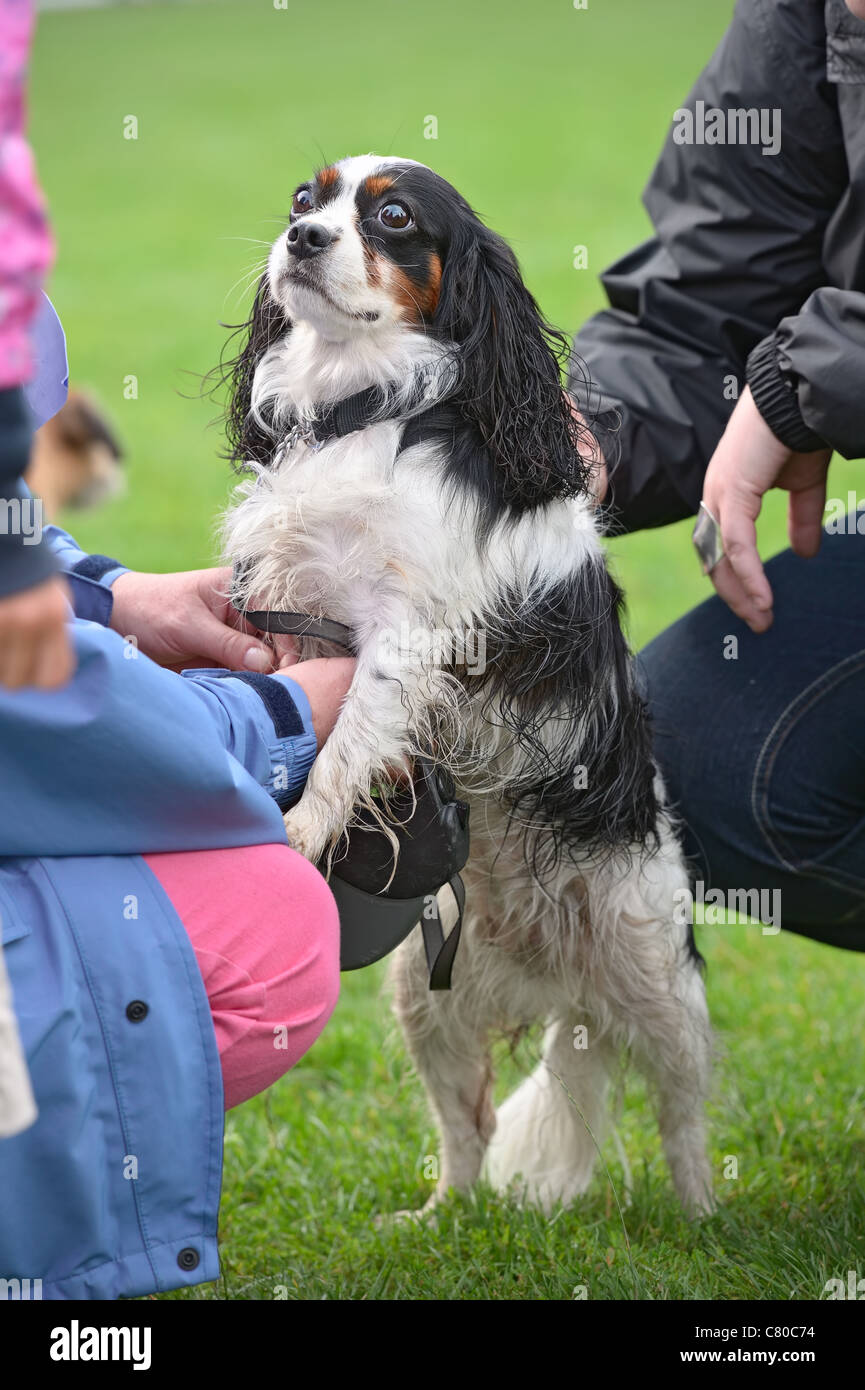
169,954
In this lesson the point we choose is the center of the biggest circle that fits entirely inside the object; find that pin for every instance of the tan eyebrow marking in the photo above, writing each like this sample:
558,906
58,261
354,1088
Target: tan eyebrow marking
326,178
377,184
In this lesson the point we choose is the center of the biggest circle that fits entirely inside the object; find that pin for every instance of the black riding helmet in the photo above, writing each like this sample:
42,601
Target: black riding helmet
379,904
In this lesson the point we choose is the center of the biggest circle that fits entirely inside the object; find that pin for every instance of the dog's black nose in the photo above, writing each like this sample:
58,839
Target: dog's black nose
308,238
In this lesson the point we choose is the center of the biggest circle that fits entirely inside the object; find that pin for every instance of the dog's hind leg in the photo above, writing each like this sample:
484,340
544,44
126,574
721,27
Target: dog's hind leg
674,1051
646,975
448,1040
549,1129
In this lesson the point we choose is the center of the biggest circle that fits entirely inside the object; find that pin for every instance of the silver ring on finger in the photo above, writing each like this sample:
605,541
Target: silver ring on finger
706,539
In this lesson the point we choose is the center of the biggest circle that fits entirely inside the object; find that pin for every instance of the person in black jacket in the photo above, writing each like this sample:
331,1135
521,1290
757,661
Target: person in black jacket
732,360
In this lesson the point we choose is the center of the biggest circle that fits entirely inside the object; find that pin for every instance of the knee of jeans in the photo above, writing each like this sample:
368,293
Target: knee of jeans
807,788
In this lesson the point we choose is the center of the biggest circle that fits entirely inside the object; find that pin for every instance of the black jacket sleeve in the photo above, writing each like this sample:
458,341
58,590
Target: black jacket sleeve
739,257
25,558
808,377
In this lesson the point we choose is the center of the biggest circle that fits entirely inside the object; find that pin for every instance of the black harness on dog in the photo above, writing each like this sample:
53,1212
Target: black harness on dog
379,904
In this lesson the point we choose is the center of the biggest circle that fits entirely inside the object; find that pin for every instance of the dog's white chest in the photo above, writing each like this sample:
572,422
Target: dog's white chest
334,527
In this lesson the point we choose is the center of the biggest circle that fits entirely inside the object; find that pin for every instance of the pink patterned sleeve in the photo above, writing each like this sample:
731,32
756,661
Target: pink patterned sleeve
26,246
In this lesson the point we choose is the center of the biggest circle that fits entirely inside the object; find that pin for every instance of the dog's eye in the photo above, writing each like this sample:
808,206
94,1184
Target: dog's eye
395,215
302,201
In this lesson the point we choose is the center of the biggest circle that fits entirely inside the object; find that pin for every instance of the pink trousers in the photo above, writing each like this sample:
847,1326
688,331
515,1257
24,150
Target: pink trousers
265,931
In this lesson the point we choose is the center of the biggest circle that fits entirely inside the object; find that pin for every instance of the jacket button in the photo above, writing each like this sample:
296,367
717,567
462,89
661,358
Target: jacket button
136,1011
188,1258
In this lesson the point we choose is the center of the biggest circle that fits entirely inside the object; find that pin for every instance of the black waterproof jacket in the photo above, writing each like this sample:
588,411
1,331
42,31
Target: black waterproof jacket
756,271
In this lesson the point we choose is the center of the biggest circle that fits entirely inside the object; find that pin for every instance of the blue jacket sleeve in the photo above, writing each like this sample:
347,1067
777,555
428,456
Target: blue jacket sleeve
89,576
72,558
129,758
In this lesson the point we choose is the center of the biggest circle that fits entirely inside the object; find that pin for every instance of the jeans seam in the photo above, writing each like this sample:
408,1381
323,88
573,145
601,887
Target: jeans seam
765,764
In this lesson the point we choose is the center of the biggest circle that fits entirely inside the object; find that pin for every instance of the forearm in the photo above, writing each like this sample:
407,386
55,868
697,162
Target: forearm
89,577
130,758
738,241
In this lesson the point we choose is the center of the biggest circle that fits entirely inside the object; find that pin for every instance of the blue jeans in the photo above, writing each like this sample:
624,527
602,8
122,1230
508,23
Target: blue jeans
761,741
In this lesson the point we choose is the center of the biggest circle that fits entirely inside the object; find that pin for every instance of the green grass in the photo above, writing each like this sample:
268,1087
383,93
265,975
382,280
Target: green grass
549,120
346,1136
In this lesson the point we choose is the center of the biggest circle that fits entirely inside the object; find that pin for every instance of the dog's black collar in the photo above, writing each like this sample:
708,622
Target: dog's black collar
353,413
370,406
300,625
336,421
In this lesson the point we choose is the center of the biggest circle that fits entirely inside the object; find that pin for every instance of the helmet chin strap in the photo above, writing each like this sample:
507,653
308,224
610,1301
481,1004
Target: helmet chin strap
440,950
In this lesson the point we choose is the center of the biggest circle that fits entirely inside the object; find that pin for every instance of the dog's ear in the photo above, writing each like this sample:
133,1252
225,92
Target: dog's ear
510,358
559,678
249,435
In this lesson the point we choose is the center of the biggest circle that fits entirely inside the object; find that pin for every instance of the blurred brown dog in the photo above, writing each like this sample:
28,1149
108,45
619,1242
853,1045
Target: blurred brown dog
75,460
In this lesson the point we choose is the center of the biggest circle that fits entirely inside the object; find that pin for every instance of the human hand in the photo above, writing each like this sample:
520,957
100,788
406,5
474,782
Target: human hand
187,620
325,681
34,637
590,450
748,461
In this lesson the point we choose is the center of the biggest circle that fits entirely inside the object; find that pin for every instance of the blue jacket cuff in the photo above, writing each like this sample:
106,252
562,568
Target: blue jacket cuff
296,755
89,576
91,601
293,752
301,701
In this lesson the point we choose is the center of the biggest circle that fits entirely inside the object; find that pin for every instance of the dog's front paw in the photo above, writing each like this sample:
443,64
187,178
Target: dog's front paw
306,832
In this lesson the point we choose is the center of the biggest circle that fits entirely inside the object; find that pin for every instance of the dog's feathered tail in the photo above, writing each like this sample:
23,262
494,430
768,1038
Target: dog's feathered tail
546,1139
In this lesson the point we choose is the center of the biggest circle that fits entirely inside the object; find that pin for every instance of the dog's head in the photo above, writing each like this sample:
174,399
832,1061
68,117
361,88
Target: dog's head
377,247
365,248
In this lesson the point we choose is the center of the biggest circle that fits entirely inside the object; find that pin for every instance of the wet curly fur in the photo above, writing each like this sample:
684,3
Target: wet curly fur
463,507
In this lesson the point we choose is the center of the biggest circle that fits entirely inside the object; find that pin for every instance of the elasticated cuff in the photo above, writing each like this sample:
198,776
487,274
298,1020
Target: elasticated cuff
775,398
